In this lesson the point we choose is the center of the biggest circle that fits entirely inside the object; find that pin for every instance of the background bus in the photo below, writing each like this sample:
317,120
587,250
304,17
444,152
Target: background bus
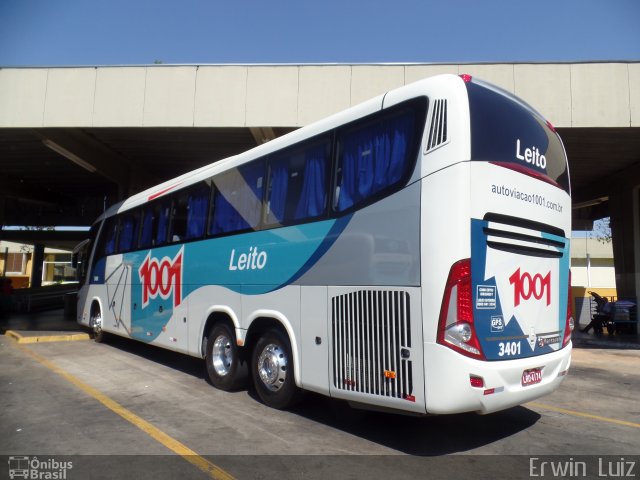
410,253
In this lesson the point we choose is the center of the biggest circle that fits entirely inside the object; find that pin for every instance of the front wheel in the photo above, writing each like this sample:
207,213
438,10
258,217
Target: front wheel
272,371
222,357
96,325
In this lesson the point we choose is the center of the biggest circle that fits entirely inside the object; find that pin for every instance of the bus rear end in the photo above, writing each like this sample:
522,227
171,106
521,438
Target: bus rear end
504,323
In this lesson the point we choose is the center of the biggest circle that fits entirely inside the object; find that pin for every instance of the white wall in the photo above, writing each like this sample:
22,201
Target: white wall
569,95
601,273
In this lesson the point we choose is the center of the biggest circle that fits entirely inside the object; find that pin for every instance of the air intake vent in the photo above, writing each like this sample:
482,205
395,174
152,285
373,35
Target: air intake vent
524,237
438,131
372,342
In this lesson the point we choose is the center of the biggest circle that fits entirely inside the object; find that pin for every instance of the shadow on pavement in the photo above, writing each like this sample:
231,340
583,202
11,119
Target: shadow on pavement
421,436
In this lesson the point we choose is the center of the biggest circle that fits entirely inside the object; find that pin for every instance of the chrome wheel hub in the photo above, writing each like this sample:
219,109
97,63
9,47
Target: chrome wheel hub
272,367
222,355
97,323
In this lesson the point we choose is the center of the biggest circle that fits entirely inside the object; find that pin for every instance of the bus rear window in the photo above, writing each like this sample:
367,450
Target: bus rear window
506,131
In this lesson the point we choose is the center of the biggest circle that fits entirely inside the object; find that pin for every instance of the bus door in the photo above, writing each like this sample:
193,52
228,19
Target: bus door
118,285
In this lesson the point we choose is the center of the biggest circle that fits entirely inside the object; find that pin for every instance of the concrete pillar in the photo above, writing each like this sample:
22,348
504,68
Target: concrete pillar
623,229
636,235
36,266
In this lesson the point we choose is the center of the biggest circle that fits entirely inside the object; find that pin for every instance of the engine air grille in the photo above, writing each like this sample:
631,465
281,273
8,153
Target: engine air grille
371,343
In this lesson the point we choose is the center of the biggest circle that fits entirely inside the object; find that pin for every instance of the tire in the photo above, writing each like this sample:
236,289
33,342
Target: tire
222,357
272,371
95,323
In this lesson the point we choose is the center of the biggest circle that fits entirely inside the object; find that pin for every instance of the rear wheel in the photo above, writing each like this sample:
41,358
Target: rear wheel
222,357
272,370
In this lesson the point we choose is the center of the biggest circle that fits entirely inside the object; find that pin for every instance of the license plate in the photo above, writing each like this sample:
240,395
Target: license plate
531,377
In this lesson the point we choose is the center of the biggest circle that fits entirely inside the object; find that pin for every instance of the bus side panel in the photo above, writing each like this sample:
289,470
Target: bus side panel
444,236
282,305
445,240
380,245
156,311
82,313
205,301
373,307
314,339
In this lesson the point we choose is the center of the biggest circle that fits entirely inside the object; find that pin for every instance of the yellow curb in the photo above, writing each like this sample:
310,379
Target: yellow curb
71,337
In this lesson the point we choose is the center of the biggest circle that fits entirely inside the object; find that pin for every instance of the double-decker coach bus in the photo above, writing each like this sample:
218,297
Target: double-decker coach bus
410,253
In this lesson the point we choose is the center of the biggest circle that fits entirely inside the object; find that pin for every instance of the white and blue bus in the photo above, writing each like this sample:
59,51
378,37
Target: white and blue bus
410,253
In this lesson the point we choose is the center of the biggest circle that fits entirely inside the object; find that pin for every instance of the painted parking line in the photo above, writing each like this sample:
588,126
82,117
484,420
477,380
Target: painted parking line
154,432
70,337
576,413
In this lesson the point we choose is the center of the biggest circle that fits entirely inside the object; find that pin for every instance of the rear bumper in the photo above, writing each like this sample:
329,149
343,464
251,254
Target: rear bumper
448,388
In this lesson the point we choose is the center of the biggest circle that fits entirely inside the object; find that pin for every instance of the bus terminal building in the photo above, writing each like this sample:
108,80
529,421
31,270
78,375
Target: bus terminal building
74,140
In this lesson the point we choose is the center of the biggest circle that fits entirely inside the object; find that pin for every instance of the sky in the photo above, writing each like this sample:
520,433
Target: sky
139,32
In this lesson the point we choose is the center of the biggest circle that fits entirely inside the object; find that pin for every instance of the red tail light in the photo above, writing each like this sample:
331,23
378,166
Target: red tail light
455,328
569,325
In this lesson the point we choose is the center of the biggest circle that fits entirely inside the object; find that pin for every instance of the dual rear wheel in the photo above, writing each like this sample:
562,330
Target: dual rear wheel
271,365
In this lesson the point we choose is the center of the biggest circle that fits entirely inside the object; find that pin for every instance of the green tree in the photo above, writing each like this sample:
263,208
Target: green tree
602,230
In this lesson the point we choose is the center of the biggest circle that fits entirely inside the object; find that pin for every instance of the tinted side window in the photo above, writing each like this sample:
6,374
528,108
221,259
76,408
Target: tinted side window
197,206
154,223
189,217
179,212
146,229
375,156
128,236
298,183
238,199
162,212
109,236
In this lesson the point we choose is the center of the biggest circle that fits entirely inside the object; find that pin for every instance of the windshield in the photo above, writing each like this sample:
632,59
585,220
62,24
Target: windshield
506,131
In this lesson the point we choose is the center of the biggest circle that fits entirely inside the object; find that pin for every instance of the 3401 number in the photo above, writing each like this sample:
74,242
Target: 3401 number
509,349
